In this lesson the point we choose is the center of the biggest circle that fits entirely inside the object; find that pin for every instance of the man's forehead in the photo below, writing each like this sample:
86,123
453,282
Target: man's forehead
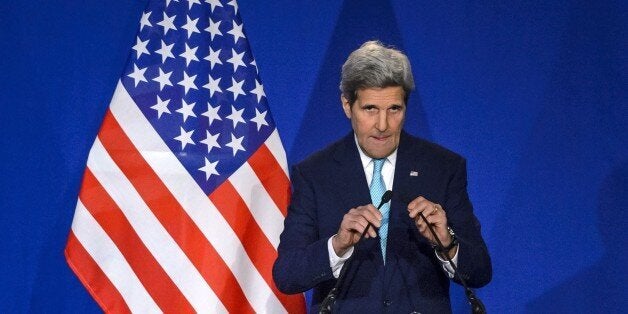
378,96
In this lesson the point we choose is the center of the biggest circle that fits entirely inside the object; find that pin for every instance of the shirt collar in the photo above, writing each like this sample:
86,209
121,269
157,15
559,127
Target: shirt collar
366,160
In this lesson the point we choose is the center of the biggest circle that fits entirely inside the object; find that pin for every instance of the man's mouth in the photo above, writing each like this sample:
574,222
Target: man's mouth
380,138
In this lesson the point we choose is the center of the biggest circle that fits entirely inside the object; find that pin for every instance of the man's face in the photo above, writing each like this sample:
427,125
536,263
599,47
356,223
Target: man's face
377,118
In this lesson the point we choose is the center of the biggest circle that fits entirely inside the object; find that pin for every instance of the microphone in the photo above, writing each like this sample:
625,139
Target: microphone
330,299
477,307
385,199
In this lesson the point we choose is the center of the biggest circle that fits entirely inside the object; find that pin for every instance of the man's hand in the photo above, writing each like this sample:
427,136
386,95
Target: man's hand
353,224
435,215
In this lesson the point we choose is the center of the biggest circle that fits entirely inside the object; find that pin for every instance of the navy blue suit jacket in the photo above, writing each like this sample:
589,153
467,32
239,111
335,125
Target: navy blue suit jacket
332,181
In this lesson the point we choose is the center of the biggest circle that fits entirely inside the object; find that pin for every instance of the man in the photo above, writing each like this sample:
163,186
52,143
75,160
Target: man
395,268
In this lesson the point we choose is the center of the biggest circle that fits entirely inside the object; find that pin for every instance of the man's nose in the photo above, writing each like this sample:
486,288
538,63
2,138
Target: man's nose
382,121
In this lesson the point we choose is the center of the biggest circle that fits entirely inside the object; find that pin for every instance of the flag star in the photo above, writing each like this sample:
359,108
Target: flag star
189,54
138,75
211,141
145,20
192,2
260,119
213,58
259,91
190,25
209,168
168,2
236,59
236,116
234,4
187,110
161,106
188,82
167,23
214,28
237,32
163,79
212,85
212,114
185,138
236,144
165,51
140,47
236,88
253,63
214,4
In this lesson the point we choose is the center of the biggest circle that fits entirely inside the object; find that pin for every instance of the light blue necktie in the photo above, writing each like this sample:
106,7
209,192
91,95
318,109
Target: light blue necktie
377,190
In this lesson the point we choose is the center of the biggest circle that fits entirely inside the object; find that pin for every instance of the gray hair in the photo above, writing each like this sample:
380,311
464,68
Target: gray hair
375,66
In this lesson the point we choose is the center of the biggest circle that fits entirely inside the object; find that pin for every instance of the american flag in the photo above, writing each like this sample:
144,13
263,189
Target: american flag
186,185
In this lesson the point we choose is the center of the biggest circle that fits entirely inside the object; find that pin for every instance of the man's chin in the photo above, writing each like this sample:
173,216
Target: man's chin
378,153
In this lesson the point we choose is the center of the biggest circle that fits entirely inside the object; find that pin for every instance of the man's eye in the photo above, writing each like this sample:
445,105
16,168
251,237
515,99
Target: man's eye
370,108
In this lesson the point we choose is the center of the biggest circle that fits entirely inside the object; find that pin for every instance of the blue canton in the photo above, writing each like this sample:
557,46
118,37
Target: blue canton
192,74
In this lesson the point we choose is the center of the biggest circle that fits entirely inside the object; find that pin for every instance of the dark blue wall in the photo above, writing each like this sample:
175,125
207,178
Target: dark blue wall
533,93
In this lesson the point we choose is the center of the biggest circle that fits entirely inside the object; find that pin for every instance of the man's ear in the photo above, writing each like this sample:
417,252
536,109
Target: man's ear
346,106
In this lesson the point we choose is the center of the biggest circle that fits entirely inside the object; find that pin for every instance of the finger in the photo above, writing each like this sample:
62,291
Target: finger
421,206
431,210
375,221
420,223
358,223
435,219
415,201
372,233
438,215
422,227
362,224
350,222
371,214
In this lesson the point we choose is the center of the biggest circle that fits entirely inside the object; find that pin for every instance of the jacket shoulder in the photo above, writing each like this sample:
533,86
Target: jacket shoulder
430,150
326,156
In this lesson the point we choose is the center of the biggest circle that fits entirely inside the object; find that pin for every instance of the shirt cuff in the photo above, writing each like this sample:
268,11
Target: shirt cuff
335,261
446,266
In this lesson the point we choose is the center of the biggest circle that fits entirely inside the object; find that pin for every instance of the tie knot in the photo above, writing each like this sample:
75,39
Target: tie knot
377,165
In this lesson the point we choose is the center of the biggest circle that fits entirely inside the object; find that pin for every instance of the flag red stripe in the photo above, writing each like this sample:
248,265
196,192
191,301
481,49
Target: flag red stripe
92,277
110,217
173,217
259,249
272,176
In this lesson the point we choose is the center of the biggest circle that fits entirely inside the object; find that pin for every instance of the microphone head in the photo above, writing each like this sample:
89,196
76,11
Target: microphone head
387,196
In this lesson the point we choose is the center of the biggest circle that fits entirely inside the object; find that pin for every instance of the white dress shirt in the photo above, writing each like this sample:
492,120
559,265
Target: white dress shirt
388,174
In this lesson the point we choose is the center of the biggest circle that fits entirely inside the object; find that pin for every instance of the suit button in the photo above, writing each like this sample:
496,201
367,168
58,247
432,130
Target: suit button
387,303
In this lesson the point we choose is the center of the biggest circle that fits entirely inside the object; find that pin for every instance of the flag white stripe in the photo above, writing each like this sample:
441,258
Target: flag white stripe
106,254
152,233
192,198
276,148
259,202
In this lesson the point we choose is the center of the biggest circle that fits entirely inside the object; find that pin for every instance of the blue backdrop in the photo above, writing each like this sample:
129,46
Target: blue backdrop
533,93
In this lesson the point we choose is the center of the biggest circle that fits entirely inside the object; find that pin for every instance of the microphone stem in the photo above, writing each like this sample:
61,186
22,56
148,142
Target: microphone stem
477,307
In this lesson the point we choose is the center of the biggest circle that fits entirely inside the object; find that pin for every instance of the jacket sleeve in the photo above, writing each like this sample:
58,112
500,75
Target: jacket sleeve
474,263
303,259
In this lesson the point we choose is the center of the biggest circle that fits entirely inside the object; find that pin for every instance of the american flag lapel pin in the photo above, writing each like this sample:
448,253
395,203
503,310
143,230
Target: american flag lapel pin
414,173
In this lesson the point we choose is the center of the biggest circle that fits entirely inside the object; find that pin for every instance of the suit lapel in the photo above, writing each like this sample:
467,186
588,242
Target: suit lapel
353,188
408,169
